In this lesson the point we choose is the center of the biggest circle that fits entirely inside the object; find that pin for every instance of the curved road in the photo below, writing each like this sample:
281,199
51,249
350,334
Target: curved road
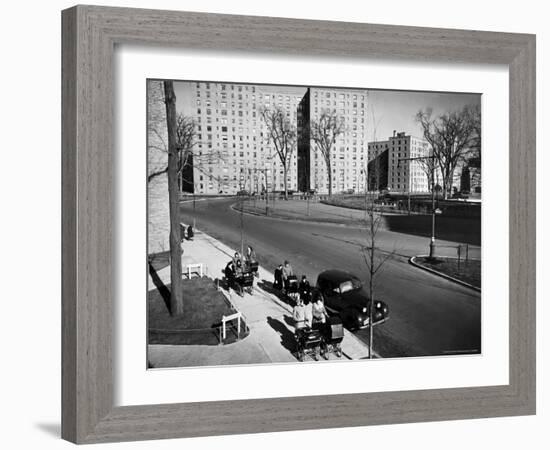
428,314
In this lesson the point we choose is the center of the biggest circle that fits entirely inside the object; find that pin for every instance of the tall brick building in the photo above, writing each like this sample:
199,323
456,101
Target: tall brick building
349,155
402,175
233,152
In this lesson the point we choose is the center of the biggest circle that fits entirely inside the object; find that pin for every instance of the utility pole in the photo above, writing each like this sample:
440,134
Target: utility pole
365,176
266,192
194,210
432,167
242,226
243,181
409,188
432,241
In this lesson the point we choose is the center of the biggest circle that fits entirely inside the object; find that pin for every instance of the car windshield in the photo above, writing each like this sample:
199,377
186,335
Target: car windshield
350,285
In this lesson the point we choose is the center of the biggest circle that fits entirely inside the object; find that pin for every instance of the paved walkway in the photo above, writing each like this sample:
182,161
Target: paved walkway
271,338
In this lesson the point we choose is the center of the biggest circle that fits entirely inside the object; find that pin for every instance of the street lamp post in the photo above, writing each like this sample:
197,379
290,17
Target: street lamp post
266,192
423,158
194,209
408,188
432,240
365,176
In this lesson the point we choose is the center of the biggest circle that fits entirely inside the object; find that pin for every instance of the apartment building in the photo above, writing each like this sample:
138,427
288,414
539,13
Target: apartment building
404,173
233,151
349,154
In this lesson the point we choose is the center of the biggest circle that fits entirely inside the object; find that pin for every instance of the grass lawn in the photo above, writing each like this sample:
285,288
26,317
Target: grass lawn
355,202
204,307
467,271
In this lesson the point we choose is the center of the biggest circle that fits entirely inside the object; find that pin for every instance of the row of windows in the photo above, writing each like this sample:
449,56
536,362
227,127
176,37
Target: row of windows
223,86
334,94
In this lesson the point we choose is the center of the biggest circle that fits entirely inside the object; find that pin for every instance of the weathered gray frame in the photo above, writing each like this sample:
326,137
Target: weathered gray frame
89,36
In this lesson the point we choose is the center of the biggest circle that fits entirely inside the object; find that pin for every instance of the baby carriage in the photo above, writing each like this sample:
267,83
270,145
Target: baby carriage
308,342
292,287
253,267
245,282
332,334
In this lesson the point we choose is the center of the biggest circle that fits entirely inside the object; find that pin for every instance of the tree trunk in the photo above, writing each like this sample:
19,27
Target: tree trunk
445,188
176,295
371,276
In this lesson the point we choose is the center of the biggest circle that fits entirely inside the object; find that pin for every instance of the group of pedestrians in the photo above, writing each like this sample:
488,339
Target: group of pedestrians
237,269
309,314
306,313
286,281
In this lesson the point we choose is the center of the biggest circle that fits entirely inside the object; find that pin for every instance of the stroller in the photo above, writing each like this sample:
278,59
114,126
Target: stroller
253,267
292,287
305,293
333,334
245,282
308,342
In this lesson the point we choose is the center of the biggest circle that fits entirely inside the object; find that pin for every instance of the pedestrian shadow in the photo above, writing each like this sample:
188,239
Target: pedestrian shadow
267,286
159,260
222,282
161,287
289,321
288,340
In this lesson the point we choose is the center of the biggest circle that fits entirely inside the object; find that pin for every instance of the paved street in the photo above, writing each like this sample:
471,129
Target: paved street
428,314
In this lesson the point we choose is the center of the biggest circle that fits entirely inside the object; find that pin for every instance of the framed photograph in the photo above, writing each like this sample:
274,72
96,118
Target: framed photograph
265,229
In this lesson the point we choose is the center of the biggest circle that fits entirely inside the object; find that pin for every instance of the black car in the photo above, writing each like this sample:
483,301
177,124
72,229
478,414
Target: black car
343,294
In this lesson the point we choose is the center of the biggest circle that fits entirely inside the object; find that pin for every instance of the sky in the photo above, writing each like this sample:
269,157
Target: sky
395,110
386,110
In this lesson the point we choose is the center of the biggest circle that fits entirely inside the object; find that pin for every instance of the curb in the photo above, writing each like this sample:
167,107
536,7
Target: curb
412,261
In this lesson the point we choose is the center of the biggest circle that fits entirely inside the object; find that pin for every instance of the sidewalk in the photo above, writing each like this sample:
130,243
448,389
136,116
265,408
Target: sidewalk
271,338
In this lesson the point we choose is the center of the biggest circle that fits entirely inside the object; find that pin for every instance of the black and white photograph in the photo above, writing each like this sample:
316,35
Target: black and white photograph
305,224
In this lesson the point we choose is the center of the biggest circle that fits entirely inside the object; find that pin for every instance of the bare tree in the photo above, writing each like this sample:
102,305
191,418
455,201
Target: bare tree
375,258
189,160
452,137
176,294
186,137
474,159
282,133
324,132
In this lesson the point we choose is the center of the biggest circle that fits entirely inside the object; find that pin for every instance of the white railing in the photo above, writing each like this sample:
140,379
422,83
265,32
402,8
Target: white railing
194,267
229,318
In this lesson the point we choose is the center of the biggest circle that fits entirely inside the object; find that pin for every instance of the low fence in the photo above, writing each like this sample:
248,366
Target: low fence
461,252
403,204
234,326
198,269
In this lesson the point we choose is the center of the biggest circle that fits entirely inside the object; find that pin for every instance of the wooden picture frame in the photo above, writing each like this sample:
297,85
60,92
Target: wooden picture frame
89,37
